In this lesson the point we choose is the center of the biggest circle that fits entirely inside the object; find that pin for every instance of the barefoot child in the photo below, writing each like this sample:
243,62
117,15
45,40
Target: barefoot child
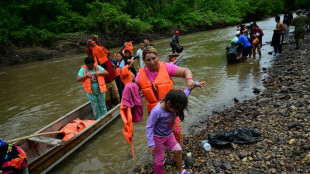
158,131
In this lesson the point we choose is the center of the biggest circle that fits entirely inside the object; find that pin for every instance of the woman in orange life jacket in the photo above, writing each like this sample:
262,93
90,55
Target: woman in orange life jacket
91,75
155,78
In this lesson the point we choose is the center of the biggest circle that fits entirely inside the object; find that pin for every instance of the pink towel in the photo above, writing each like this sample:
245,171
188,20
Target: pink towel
132,98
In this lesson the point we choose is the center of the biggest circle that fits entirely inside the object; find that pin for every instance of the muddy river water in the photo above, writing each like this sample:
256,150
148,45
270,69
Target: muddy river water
36,94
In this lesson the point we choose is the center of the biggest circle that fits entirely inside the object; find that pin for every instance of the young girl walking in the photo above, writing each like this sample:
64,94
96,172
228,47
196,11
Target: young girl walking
158,131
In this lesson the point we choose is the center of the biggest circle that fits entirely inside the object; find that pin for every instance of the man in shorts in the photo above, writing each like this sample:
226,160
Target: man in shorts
244,44
278,36
111,96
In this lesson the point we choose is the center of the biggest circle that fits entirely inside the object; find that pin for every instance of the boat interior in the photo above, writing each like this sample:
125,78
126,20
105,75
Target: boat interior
169,57
37,146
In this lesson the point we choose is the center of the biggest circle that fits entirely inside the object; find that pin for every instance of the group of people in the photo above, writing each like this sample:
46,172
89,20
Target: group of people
104,78
249,38
281,32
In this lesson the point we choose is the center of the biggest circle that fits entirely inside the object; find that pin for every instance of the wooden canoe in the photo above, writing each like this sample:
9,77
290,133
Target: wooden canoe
178,56
45,152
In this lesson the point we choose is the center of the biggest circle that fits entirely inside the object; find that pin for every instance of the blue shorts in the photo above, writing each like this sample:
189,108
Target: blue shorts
246,51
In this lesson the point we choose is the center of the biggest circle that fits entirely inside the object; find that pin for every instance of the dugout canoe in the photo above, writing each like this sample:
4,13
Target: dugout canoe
178,56
45,152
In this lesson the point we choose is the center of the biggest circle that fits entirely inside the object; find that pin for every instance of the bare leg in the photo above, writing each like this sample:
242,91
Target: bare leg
250,53
239,57
258,49
254,52
178,160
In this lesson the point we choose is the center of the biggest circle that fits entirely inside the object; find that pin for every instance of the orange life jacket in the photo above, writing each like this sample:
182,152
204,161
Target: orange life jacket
255,41
173,59
126,75
162,84
98,54
126,115
106,51
116,69
74,128
87,81
129,47
70,130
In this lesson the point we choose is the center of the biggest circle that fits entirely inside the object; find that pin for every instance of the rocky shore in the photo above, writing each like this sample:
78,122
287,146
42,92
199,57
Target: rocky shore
281,112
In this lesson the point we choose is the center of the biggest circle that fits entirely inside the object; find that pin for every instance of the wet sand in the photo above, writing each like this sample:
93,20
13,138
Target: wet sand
281,112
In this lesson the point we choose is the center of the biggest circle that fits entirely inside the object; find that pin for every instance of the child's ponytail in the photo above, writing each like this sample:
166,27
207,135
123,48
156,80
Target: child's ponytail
178,101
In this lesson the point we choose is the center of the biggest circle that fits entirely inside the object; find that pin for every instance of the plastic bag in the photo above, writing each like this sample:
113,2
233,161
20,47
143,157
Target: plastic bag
237,136
232,53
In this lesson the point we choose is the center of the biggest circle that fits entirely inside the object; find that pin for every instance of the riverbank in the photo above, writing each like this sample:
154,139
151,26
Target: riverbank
76,44
281,112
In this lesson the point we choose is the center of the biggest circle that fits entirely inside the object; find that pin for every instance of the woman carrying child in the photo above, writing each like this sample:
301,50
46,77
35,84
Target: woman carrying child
257,40
159,129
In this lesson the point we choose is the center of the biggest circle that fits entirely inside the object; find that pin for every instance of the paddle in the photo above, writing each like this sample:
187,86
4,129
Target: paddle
34,135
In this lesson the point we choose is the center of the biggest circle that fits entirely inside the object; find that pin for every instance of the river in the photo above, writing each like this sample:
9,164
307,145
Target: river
34,95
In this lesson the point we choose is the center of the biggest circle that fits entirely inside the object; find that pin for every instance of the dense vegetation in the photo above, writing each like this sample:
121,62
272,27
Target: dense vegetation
30,21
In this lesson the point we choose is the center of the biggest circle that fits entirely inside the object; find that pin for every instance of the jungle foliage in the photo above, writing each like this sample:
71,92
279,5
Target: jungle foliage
28,22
